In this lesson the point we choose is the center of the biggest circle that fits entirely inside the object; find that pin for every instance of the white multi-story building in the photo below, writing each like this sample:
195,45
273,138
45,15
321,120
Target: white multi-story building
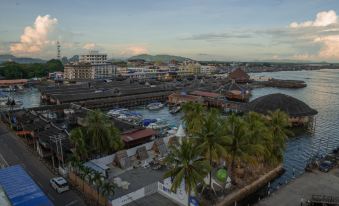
93,57
89,71
102,71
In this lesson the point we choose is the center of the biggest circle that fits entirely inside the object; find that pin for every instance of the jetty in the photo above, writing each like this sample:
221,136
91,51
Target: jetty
315,186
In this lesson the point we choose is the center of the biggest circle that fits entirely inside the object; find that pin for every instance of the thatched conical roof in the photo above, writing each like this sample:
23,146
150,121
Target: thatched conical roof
292,106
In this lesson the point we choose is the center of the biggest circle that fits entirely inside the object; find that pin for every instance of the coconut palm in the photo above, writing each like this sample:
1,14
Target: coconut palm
101,134
258,133
239,146
278,122
107,189
77,138
193,117
209,139
187,165
97,131
97,179
87,173
116,142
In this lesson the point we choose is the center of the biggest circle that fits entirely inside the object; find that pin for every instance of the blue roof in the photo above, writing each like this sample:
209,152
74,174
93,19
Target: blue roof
21,189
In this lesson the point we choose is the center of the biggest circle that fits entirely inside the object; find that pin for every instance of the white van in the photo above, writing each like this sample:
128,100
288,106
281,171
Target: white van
59,184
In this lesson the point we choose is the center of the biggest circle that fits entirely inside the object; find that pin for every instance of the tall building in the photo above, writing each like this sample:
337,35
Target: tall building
93,57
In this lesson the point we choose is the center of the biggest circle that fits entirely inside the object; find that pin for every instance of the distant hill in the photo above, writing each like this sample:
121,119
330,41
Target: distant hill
162,58
21,60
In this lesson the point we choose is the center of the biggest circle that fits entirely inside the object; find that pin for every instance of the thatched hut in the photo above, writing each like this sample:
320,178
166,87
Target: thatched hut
299,112
239,76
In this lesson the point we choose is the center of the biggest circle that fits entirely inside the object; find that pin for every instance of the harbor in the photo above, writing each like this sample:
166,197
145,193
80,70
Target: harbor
299,148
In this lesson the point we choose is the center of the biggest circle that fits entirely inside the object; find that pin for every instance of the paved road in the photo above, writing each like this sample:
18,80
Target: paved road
13,151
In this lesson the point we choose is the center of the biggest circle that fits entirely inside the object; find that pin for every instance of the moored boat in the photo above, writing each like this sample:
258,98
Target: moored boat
155,106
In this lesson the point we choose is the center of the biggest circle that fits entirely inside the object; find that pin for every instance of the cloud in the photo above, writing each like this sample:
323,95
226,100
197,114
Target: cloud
324,18
134,50
35,37
90,46
330,47
216,36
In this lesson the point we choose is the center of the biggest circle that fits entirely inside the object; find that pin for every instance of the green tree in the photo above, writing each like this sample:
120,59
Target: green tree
239,147
97,180
187,165
77,138
107,189
100,133
193,117
278,123
209,139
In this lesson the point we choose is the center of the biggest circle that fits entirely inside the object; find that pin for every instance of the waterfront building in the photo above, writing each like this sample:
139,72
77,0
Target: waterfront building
83,70
93,57
300,114
56,75
239,76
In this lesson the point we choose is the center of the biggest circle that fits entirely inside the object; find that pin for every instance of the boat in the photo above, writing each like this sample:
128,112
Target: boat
155,106
116,112
159,124
175,110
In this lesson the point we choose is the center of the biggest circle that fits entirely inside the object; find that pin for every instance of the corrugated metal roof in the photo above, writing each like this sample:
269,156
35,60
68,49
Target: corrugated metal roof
21,189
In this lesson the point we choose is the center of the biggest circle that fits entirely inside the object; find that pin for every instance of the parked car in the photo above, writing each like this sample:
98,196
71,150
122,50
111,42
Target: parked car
59,184
325,166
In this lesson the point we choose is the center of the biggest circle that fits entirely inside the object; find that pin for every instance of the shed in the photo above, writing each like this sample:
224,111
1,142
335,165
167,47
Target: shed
21,189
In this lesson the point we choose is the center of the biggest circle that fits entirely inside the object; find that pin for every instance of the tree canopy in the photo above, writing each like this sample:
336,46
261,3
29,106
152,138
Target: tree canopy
13,70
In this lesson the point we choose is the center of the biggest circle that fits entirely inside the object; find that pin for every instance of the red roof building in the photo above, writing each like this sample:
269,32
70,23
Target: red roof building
206,94
10,82
137,137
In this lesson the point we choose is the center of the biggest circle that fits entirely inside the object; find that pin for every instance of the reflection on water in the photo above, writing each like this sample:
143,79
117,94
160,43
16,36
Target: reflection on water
321,93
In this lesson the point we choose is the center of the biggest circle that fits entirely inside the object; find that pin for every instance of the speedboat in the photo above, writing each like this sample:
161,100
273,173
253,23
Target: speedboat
155,106
159,124
116,112
175,110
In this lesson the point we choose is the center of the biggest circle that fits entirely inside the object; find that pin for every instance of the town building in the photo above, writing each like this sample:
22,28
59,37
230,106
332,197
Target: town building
83,70
93,57
78,71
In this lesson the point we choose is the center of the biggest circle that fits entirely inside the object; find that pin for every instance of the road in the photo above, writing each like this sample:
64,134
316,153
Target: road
13,151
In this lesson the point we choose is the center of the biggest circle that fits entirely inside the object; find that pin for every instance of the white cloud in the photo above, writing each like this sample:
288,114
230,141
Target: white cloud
134,50
324,18
90,46
330,49
35,38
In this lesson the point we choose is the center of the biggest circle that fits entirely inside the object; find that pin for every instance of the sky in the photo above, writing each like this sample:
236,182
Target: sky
228,30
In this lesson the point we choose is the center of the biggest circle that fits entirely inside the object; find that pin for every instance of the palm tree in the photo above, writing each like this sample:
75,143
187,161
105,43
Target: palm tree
97,131
187,165
115,139
97,179
239,147
78,140
107,189
210,140
87,173
278,122
193,117
258,133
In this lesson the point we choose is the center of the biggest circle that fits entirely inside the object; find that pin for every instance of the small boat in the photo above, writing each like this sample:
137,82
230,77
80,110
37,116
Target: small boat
155,106
159,124
175,110
116,112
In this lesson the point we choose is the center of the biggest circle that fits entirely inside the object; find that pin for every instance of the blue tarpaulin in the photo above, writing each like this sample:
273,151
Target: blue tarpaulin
21,189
